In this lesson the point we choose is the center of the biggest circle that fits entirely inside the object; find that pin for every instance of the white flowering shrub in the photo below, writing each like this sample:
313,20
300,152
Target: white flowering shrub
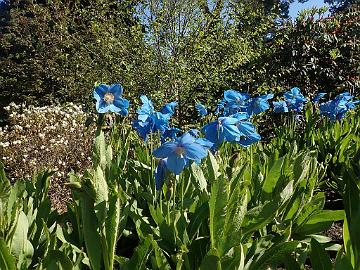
52,137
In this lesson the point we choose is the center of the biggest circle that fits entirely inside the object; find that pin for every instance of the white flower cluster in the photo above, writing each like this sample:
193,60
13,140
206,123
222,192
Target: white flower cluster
53,137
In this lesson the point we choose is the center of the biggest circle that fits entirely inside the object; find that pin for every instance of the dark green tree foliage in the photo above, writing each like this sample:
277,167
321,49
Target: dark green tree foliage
57,51
315,55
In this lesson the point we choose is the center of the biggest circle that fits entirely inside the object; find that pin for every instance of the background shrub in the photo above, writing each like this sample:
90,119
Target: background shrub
56,51
46,137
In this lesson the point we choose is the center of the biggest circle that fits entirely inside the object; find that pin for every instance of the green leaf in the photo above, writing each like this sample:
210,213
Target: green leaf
213,168
57,260
211,261
199,177
320,221
235,213
7,261
260,216
342,262
316,203
272,178
90,231
217,210
20,245
352,209
112,226
320,259
200,216
139,258
99,151
274,256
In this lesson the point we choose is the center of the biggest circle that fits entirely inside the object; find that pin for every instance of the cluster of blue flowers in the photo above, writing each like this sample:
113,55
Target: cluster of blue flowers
294,101
150,121
336,109
233,123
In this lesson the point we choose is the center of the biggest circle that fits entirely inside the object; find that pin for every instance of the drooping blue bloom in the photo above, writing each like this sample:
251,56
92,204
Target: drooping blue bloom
160,122
194,132
220,106
160,173
241,116
259,104
319,96
222,129
295,99
248,134
169,108
108,99
294,93
280,106
235,102
235,97
146,109
150,121
336,109
201,109
180,152
170,133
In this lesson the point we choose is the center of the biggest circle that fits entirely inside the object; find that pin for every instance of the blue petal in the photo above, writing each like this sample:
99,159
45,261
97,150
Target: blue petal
176,164
165,150
201,109
186,139
160,173
194,132
194,151
116,89
169,108
204,142
100,91
102,106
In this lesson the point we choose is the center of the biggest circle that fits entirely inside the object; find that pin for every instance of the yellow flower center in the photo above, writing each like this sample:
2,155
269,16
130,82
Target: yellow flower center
179,150
109,98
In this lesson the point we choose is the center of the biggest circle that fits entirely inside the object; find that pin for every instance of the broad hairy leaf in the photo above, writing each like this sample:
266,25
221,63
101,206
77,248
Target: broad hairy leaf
320,260
7,261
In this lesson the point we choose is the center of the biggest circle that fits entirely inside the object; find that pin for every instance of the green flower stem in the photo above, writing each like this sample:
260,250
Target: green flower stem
182,194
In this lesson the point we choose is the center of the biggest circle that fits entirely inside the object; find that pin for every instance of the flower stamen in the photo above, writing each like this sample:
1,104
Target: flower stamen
109,98
179,150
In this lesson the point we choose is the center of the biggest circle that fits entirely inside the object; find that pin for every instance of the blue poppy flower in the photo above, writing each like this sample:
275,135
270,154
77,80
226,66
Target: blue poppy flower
280,106
143,128
259,104
235,97
201,109
220,106
194,132
295,93
152,123
295,100
180,152
146,109
235,102
170,133
108,99
319,96
248,134
169,108
160,173
223,129
241,116
336,109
